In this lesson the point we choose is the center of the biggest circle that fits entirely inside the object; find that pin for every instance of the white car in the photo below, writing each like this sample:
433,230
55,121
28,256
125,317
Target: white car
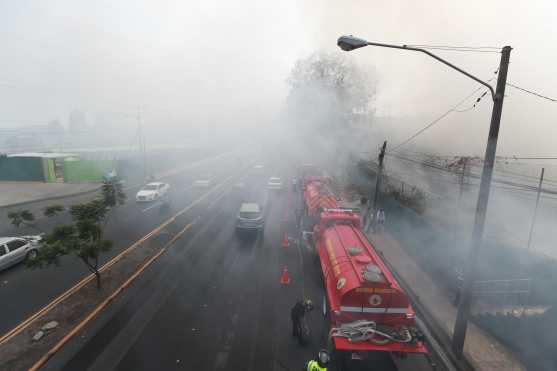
240,185
152,191
204,182
16,249
274,183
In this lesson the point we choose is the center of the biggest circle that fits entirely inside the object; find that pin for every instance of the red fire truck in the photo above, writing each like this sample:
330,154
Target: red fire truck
367,309
318,195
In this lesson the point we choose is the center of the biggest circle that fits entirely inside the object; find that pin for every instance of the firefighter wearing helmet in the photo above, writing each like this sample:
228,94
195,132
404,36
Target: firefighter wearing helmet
297,314
321,363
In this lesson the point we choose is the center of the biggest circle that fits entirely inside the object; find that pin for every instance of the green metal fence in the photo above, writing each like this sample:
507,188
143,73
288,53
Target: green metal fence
79,171
21,169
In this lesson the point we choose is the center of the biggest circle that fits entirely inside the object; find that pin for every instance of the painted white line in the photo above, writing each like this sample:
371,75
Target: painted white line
171,172
23,325
158,203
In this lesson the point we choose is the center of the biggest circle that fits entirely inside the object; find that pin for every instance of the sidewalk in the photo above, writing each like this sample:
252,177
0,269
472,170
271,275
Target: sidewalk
482,351
20,193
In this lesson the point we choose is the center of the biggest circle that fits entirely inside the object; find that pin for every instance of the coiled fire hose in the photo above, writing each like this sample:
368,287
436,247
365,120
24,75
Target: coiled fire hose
367,331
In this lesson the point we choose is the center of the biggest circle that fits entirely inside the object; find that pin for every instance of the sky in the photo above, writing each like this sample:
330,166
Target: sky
188,63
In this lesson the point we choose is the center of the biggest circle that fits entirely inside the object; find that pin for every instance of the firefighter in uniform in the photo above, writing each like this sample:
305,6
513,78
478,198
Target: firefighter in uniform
320,364
297,314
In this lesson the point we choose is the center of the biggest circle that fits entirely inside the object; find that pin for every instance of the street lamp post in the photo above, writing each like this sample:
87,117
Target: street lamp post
349,43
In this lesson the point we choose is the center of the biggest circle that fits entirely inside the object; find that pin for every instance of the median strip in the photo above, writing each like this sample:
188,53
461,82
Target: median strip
41,362
43,311
83,302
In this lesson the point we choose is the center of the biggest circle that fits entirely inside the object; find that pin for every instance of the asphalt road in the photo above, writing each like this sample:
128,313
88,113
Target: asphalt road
214,301
24,291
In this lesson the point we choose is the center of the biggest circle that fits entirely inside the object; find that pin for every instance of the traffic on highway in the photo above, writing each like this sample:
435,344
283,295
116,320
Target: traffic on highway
219,298
285,186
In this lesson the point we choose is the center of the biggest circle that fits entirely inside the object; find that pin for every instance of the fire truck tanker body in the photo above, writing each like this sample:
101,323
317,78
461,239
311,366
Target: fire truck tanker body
366,307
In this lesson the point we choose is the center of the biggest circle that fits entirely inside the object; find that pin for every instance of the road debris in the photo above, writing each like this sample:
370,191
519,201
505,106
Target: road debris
49,325
38,336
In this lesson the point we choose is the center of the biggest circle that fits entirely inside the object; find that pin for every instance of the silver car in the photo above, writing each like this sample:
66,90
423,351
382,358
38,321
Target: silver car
250,217
16,249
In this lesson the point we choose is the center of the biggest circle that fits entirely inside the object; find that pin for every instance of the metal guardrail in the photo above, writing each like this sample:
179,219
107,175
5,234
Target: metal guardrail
436,337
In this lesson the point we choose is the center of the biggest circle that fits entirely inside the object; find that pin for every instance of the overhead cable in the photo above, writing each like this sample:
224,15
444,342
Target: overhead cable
456,46
532,92
452,109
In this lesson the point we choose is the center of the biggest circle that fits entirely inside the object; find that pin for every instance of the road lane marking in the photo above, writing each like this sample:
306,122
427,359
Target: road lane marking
158,203
24,324
177,171
41,362
285,218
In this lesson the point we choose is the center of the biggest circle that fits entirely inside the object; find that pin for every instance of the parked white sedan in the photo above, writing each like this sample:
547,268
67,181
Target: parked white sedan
16,249
152,191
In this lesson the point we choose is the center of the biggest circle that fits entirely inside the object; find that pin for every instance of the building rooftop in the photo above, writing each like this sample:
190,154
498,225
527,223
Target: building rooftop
43,154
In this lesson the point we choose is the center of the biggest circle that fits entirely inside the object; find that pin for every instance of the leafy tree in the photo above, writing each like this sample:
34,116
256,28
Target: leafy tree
53,210
22,217
26,218
83,237
331,83
329,106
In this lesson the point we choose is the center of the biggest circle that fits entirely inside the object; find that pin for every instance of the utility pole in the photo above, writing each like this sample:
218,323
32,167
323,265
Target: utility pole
461,322
462,175
535,209
378,182
142,146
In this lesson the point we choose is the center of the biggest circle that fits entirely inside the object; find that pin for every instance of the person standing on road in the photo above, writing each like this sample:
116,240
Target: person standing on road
459,281
364,210
380,220
297,314
321,363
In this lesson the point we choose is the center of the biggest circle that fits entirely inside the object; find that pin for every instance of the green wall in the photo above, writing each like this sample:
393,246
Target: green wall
86,170
21,169
51,176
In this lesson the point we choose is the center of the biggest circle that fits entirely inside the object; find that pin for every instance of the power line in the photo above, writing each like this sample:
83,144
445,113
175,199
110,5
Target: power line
423,129
532,158
464,50
455,46
452,109
480,49
470,174
532,92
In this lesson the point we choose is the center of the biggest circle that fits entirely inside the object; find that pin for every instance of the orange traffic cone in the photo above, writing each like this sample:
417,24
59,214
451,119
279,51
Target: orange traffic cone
285,242
284,278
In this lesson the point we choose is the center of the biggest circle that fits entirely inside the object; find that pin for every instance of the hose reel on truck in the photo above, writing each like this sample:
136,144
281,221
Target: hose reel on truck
363,330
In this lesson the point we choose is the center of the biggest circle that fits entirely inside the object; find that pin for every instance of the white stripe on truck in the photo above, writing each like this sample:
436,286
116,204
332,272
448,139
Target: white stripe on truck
374,310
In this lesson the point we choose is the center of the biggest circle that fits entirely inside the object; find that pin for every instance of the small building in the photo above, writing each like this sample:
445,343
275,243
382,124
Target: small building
33,166
52,167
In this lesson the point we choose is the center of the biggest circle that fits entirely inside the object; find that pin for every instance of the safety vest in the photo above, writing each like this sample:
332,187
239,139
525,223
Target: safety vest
314,366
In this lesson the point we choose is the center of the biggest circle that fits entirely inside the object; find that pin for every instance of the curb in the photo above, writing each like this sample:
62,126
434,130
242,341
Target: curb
85,280
80,193
442,340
